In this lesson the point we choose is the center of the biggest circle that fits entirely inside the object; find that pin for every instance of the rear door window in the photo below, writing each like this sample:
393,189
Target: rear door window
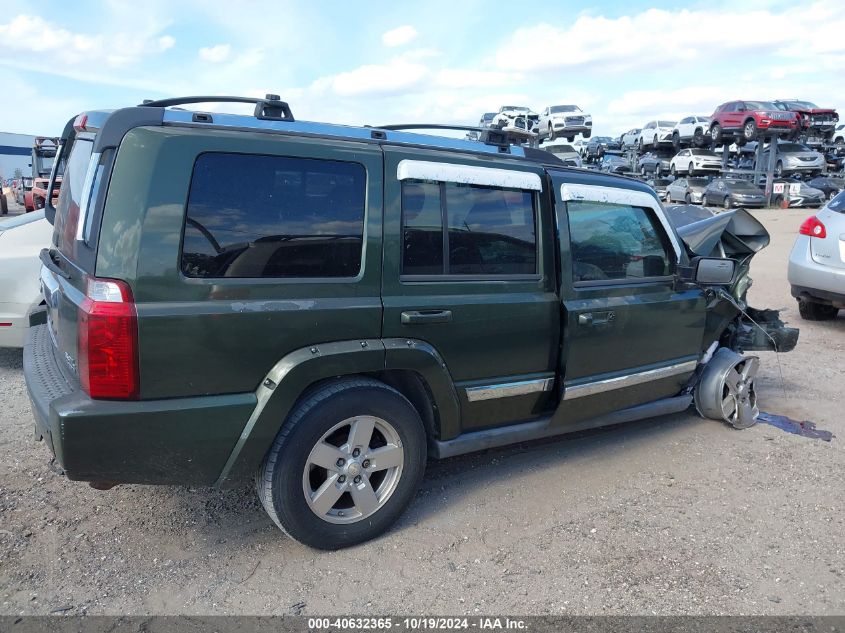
254,216
490,230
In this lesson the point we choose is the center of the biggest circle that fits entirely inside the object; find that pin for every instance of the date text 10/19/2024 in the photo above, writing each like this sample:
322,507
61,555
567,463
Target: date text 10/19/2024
418,623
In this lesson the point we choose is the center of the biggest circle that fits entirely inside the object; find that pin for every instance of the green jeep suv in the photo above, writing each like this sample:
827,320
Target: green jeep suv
374,297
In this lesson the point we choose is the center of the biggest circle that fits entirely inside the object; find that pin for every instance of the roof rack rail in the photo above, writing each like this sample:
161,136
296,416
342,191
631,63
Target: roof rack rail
271,107
486,135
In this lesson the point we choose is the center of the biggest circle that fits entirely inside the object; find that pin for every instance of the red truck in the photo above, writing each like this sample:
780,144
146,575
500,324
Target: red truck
816,122
746,121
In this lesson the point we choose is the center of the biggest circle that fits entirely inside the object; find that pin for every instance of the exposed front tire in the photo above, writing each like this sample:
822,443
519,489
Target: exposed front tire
726,391
716,134
676,141
345,464
727,203
749,130
698,137
551,132
779,169
811,311
688,199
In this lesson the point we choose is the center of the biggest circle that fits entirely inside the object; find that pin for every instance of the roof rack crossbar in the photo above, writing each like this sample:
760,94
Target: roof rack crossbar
271,107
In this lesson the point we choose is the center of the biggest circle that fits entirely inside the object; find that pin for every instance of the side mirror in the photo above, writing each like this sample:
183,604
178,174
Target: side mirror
713,271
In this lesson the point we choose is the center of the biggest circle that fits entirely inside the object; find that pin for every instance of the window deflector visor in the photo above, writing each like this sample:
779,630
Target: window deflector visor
615,195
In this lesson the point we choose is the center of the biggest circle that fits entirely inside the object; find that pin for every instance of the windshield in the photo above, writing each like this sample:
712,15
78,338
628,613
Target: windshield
698,182
666,123
760,105
703,152
793,147
564,108
801,105
20,220
517,108
742,185
561,149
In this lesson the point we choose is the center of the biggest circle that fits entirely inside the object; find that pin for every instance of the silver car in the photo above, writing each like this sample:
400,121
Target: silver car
794,158
817,263
688,190
568,154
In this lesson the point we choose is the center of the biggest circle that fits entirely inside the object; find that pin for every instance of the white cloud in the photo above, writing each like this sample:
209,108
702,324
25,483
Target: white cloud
215,54
373,79
399,36
652,40
58,48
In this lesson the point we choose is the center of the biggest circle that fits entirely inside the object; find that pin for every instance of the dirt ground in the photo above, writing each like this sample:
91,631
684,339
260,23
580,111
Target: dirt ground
668,516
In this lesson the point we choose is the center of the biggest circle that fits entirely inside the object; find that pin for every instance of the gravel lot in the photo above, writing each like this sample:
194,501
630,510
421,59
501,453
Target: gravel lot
668,516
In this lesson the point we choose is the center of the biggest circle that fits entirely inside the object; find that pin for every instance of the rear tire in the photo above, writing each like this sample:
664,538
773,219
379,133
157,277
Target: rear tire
811,311
676,141
363,500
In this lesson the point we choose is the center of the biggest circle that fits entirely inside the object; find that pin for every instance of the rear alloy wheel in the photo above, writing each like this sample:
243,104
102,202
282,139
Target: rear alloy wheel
726,389
749,130
811,311
345,464
715,134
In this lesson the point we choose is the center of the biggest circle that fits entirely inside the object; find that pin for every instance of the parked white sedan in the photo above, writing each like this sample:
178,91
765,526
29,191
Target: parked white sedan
695,161
21,240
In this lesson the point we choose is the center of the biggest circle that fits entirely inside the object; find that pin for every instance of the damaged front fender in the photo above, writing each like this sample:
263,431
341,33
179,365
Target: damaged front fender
738,235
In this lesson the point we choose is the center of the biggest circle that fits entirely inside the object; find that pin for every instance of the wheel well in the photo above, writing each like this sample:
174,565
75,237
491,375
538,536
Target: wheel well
407,382
413,386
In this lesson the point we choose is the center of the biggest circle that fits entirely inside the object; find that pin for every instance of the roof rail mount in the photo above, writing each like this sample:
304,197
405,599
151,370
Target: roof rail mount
488,136
271,107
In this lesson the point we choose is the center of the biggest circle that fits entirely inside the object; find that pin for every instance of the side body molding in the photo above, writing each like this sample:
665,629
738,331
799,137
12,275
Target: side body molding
293,374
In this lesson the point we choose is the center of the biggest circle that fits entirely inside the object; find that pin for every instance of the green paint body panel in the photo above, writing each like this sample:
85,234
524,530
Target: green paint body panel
224,361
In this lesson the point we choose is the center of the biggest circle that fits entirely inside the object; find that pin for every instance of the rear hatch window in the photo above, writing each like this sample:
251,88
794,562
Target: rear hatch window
73,171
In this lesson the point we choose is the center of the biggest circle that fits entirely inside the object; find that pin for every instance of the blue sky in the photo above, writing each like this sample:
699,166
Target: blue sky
386,62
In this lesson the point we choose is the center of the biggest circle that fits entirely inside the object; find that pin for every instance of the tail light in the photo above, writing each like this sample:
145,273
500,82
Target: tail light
108,341
813,227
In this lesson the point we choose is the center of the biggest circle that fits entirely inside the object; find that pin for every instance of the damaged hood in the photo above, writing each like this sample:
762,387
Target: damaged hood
735,234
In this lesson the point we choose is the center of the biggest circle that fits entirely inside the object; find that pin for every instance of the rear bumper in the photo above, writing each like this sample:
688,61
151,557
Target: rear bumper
176,441
812,280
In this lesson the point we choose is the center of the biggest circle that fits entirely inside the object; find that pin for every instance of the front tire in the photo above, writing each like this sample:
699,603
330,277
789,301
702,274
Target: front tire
716,134
811,311
551,132
698,137
345,464
749,130
727,203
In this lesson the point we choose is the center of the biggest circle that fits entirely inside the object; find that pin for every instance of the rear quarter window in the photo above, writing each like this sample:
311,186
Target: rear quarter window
254,216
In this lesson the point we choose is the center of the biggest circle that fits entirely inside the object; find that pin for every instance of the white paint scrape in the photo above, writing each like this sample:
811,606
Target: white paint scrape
467,174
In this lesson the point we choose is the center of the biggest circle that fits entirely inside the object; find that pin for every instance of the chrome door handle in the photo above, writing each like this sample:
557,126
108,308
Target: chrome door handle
426,316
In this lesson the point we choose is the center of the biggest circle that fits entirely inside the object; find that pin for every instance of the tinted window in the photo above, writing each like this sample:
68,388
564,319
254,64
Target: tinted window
611,241
422,221
255,216
73,172
838,203
491,230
